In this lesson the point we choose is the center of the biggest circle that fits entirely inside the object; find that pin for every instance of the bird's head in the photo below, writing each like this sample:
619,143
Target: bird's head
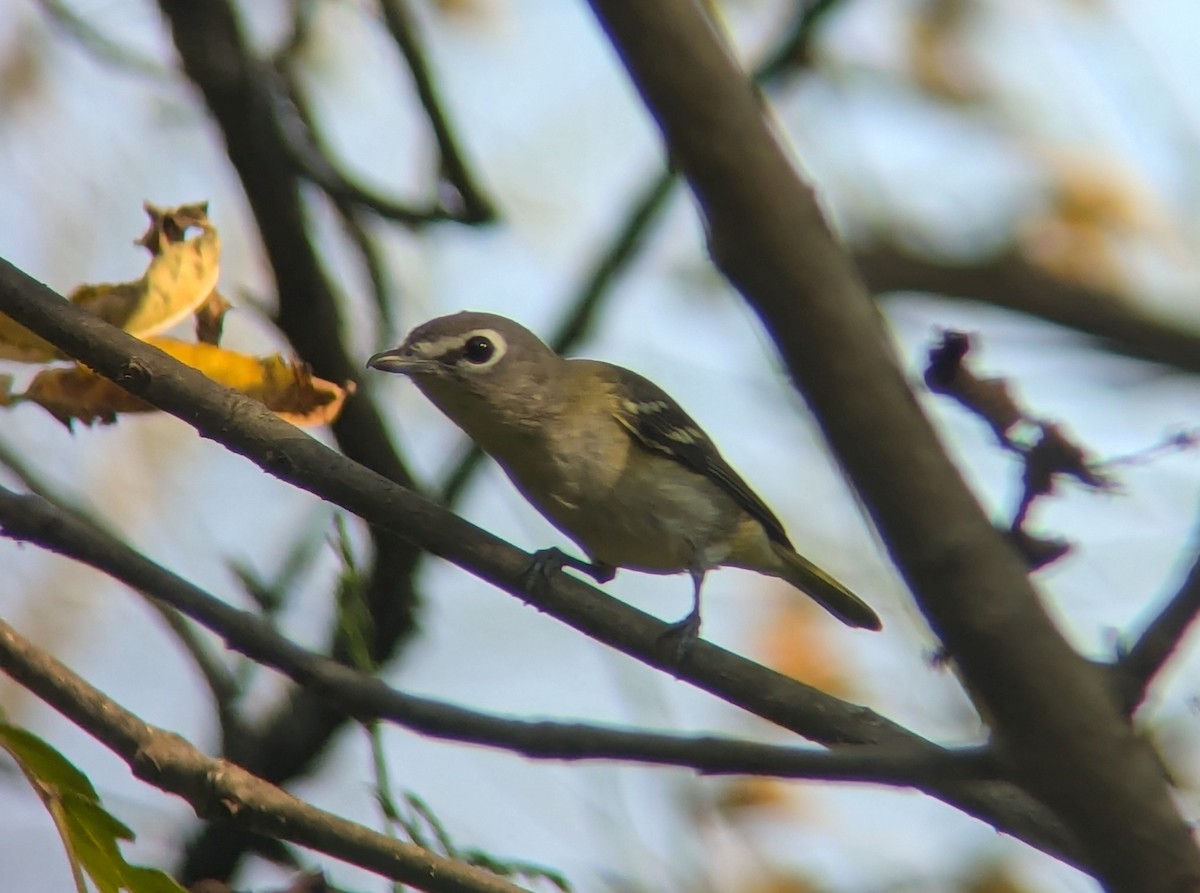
475,364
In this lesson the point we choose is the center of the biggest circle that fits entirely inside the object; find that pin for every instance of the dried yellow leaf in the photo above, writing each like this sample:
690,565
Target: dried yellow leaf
181,275
285,387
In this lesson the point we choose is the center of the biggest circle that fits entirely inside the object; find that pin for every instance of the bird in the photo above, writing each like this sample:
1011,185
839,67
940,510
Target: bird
609,459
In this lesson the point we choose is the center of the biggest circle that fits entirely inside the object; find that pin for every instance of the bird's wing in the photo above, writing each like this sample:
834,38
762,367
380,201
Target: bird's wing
657,423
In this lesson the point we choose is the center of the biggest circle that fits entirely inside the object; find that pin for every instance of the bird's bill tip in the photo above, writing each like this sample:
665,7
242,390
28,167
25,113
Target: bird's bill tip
394,360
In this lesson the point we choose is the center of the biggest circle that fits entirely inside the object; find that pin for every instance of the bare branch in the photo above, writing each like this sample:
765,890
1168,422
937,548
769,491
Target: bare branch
221,684
1139,665
303,147
453,168
1011,282
220,790
248,429
235,85
31,518
768,235
99,44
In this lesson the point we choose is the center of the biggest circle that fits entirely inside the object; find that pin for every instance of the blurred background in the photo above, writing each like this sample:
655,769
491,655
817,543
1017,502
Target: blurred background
1023,171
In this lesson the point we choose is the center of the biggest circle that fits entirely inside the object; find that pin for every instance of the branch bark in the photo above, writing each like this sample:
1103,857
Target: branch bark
235,86
31,518
247,428
1054,715
1010,282
219,789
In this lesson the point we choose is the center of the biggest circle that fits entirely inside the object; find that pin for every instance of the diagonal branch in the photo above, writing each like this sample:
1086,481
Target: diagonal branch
220,790
247,428
1013,283
222,685
768,235
453,168
30,518
1138,667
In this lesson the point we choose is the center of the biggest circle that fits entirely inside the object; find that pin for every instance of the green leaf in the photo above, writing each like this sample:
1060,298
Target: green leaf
90,833
42,764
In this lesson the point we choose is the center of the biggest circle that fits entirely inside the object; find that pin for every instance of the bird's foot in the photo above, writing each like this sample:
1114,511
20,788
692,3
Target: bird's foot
546,562
680,636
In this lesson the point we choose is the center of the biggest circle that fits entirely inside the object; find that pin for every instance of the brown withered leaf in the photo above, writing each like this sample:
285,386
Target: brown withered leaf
181,275
989,398
210,318
78,393
168,225
285,387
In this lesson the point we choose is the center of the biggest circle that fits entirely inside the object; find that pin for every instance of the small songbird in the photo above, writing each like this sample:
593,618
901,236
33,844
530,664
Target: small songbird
609,458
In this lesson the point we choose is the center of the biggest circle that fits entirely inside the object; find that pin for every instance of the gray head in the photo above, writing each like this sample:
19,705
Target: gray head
475,364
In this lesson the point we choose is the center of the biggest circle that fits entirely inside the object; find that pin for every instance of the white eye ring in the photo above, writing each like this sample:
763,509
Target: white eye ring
482,349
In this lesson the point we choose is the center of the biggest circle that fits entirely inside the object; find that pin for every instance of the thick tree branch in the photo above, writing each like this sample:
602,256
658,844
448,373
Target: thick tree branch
30,518
767,234
248,429
218,789
1011,282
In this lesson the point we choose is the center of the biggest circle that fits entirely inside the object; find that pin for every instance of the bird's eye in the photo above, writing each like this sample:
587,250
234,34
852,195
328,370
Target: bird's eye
478,349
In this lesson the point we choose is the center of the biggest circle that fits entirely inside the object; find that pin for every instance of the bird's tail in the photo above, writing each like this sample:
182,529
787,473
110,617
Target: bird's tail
825,590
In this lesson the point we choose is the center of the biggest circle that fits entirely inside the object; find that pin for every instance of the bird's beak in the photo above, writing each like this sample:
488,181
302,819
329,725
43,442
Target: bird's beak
399,359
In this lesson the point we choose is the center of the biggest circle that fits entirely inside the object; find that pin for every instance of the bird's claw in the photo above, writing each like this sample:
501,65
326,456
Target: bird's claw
544,563
681,635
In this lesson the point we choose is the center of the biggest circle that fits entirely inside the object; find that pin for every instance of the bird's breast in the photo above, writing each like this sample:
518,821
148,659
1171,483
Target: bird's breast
625,506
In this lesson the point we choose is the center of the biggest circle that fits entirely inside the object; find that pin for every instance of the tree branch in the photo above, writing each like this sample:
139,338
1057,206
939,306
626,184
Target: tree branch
452,167
1011,282
31,518
218,789
236,87
247,428
767,234
221,683
1139,665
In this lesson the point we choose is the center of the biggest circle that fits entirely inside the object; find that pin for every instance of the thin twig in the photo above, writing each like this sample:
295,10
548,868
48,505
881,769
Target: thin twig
348,208
303,147
1145,658
221,683
1008,280
219,789
100,44
453,169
